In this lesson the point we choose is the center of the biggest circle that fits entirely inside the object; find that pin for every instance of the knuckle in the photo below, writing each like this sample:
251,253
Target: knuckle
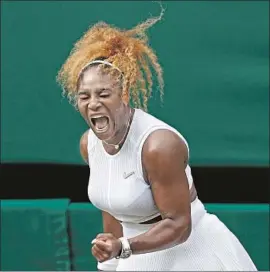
109,248
105,257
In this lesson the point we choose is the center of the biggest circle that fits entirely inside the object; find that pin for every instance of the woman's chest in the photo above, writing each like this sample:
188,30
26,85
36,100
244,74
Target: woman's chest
117,186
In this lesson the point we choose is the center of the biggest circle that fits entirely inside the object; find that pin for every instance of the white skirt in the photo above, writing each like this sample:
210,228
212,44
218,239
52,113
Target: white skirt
210,247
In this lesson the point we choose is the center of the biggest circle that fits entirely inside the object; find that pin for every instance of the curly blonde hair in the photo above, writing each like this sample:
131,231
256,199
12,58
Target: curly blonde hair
126,49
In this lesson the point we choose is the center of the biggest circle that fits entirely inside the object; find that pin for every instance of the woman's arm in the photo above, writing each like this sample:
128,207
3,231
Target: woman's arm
112,226
165,158
83,146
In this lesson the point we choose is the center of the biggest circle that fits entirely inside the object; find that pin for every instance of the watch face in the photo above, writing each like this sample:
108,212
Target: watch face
126,254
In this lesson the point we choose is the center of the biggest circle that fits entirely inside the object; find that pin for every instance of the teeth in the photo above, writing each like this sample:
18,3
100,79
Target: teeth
103,129
98,116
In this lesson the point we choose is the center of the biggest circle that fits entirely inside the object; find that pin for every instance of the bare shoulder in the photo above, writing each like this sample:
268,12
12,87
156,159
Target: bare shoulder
162,145
83,145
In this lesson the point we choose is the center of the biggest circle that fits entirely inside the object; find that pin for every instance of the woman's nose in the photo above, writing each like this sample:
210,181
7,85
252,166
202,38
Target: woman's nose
94,104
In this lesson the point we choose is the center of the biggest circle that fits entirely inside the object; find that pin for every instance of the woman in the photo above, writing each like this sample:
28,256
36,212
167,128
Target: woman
139,172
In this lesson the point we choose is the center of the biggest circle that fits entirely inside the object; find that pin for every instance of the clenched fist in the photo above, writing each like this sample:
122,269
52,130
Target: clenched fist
105,247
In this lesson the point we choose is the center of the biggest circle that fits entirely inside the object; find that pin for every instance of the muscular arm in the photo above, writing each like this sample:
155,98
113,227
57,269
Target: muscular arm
164,158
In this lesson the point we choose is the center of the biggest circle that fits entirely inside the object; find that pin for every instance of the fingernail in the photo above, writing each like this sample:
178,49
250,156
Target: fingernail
93,242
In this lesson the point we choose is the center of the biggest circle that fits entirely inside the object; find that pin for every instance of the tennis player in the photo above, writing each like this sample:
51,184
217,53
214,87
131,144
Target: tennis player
140,176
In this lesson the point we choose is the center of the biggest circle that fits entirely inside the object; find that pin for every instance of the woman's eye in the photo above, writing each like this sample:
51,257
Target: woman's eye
104,95
83,97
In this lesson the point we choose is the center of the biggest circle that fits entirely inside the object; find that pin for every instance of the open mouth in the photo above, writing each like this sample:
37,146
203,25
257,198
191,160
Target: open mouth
101,123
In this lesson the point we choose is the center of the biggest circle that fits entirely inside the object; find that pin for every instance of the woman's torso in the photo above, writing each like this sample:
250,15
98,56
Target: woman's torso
116,183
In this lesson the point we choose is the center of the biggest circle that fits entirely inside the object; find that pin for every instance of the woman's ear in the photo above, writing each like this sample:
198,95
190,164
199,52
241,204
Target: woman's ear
125,97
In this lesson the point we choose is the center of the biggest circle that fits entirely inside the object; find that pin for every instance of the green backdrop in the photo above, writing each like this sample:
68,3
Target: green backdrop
34,235
215,58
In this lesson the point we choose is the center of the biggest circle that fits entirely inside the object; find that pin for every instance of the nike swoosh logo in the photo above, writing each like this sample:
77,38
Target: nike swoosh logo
127,175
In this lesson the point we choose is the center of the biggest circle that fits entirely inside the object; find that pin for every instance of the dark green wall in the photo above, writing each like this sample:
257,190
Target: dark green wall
215,59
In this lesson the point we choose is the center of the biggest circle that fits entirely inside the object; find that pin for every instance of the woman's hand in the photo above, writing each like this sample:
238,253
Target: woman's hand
105,247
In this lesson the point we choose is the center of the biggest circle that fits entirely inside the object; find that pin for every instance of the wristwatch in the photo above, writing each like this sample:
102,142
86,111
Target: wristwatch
126,250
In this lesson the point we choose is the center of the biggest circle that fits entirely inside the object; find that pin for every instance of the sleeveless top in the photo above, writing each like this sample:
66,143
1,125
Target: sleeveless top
116,183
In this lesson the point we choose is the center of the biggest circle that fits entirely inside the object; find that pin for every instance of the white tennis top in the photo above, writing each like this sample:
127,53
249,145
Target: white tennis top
116,182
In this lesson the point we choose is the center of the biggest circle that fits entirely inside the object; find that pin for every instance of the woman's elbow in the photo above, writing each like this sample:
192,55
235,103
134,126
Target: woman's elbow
183,229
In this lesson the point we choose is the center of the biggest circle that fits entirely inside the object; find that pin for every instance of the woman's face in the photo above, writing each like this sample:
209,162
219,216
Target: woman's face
100,102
